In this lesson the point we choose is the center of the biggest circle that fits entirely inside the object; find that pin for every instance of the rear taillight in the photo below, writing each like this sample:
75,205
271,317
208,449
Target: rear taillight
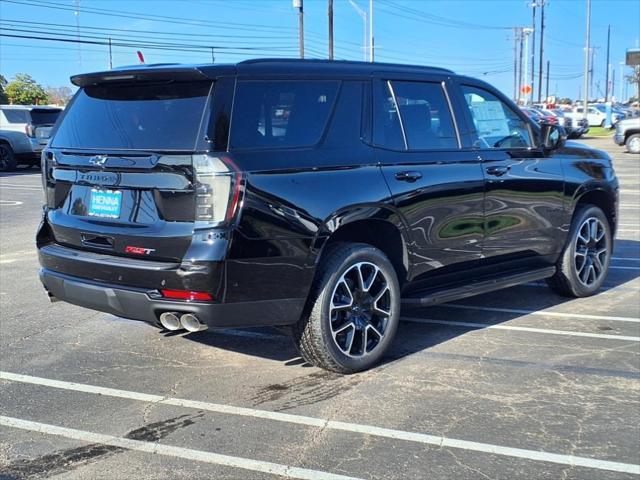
218,189
30,130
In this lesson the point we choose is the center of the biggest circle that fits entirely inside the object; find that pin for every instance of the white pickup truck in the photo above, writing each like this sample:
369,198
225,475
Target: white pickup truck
24,132
596,116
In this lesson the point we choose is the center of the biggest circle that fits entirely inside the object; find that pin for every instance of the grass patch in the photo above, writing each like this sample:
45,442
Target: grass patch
600,132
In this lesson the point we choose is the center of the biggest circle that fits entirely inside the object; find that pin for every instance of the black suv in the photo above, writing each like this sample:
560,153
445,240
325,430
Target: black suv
312,194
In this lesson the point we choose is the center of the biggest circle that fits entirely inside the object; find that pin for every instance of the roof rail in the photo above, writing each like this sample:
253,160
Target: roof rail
341,62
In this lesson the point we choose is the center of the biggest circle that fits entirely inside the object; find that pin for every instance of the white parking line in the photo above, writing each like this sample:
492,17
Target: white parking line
423,438
486,326
20,185
31,189
171,451
541,313
10,203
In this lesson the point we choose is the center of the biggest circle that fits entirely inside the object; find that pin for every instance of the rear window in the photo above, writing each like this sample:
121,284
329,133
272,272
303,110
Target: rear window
163,116
277,114
16,116
44,117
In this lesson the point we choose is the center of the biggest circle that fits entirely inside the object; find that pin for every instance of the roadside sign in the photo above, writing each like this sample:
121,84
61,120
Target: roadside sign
526,89
633,57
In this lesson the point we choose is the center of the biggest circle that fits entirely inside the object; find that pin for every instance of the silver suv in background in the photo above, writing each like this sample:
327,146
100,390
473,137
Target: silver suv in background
628,133
24,132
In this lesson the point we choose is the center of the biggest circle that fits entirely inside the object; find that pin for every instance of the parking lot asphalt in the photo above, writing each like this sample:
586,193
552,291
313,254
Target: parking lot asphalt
519,383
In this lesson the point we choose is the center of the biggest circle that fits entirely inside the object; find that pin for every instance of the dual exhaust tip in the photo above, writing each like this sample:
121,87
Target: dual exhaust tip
187,321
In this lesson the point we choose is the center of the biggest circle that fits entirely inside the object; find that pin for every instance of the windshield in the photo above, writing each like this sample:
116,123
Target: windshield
146,116
44,117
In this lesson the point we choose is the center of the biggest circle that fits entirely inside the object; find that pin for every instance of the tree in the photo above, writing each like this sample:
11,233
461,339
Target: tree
24,90
3,85
59,95
634,79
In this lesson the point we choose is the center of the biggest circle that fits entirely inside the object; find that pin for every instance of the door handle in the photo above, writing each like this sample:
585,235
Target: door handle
408,176
497,171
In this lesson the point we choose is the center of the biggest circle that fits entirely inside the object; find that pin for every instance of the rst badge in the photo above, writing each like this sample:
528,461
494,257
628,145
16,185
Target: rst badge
138,250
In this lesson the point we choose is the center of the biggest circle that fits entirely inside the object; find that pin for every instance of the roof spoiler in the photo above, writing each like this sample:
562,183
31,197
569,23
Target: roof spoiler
140,74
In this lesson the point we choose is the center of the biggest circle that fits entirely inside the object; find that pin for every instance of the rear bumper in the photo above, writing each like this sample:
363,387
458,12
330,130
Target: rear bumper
140,304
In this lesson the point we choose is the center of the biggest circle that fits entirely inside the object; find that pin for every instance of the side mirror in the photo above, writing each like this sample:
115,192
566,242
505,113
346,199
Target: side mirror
552,136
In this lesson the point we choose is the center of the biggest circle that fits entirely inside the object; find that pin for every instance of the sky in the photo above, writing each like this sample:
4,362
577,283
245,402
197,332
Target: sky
473,37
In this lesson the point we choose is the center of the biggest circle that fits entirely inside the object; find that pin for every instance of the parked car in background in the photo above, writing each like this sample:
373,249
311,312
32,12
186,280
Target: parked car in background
24,132
314,195
564,121
596,117
628,133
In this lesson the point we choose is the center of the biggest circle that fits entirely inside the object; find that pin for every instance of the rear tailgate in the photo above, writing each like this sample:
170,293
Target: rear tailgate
119,172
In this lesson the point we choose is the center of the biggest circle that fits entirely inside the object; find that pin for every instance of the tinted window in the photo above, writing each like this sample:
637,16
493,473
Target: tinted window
387,131
496,125
272,114
425,115
16,116
44,117
140,117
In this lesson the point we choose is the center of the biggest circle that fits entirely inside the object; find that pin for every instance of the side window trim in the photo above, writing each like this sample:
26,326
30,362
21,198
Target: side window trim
395,105
473,132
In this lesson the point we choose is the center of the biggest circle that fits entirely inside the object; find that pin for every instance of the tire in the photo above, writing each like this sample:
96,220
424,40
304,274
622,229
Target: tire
348,336
584,262
602,123
7,158
633,143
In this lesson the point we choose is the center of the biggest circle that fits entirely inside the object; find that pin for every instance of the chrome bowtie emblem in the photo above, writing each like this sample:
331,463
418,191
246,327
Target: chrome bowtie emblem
98,160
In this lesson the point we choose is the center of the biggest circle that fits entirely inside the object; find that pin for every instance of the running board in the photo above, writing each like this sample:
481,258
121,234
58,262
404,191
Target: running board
433,296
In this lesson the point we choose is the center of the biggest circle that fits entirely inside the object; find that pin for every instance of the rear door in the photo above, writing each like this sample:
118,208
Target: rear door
119,172
524,185
41,123
436,184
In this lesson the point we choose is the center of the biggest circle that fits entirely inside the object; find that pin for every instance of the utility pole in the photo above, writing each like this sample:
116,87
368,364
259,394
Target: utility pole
299,5
606,82
520,41
613,82
330,13
371,46
621,81
110,56
527,32
547,90
533,43
77,14
586,61
515,63
541,51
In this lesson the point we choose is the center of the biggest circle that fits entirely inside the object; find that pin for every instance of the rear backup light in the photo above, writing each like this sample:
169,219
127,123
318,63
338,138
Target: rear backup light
187,295
218,189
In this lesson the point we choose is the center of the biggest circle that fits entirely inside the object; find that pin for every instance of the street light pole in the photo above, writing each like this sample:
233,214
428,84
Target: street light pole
330,13
526,32
364,17
299,5
371,46
585,104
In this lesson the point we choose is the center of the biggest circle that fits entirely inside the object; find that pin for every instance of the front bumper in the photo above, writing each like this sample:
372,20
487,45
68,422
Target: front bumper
618,139
143,304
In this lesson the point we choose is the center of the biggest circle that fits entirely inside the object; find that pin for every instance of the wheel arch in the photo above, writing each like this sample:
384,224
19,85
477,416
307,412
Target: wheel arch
380,227
603,198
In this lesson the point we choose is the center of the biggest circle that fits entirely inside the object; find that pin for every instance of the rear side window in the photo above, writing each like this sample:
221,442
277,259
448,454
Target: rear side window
427,121
413,115
16,116
44,117
280,114
143,116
